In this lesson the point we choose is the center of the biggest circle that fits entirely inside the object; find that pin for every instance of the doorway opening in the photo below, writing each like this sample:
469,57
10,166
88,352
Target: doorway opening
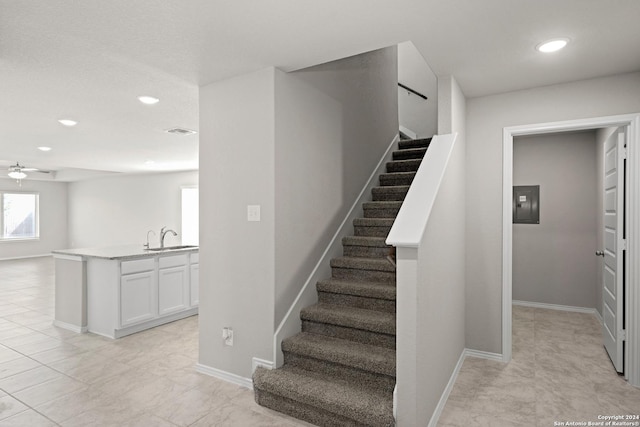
631,125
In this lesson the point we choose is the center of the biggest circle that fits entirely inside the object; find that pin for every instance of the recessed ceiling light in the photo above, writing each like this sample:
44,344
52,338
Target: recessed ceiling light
552,45
149,100
68,122
44,148
149,162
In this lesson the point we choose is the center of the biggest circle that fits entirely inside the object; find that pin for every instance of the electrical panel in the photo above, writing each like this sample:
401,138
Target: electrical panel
526,204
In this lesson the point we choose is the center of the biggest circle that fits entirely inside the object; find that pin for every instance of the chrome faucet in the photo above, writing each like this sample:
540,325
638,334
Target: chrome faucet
163,233
146,245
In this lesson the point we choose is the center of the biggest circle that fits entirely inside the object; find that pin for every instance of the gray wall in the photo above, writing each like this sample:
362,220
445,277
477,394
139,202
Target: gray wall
118,210
333,124
415,113
237,257
554,261
301,145
486,118
53,219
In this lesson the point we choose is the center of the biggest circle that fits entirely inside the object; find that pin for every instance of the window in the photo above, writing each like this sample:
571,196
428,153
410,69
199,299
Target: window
190,216
19,218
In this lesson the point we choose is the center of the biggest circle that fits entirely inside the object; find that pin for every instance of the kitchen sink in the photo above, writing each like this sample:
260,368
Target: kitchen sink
171,248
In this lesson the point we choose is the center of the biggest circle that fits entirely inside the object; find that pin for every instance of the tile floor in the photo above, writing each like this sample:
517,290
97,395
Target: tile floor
560,372
50,376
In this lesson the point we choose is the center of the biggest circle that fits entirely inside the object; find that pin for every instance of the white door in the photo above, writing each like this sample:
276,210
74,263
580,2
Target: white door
137,294
614,245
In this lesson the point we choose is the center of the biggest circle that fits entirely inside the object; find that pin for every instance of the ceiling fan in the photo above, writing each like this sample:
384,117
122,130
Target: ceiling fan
17,171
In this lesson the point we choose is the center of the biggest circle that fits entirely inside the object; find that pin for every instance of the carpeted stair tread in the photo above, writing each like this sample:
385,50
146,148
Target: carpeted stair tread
390,193
365,241
378,290
381,209
414,143
409,153
378,360
411,165
350,401
396,178
355,318
374,264
373,222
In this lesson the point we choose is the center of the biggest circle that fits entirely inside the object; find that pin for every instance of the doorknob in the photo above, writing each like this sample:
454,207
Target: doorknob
599,253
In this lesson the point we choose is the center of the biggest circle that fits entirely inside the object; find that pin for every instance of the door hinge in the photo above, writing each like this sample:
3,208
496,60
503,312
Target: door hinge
623,334
623,244
624,152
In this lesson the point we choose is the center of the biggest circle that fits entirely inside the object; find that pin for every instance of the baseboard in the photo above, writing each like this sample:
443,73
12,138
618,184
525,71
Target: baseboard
447,391
483,355
25,257
557,307
597,314
69,327
255,362
225,376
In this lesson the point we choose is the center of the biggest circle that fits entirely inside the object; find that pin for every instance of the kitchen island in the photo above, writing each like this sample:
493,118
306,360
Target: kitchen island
120,290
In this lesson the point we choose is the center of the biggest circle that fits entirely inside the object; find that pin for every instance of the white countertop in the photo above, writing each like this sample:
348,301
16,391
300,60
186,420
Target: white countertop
119,252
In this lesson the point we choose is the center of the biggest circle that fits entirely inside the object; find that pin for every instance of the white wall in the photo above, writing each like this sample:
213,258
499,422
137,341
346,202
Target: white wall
119,210
431,314
237,268
53,219
415,113
333,124
554,261
486,118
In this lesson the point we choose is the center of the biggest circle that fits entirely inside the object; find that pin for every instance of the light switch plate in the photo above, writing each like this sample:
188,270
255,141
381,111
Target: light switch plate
253,213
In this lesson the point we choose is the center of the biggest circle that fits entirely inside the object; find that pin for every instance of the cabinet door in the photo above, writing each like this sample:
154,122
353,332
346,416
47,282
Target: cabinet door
195,280
172,290
137,295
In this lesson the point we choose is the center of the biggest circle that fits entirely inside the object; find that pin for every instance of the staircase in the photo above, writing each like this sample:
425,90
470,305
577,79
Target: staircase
341,369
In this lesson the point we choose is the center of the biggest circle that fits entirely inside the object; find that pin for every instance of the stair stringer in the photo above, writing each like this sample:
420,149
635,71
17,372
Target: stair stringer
290,324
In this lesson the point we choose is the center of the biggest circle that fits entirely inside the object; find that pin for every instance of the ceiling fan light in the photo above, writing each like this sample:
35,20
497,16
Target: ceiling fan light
17,175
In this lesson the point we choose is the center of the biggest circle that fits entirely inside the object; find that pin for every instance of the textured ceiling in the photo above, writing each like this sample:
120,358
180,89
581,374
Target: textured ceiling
90,59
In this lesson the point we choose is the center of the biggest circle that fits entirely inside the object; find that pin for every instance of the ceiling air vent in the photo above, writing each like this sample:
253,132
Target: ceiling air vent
181,131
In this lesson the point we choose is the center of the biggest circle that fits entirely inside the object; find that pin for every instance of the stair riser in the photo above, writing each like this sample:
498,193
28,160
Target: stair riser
363,275
408,154
366,251
403,166
388,180
381,213
358,335
361,377
381,194
371,231
302,411
375,304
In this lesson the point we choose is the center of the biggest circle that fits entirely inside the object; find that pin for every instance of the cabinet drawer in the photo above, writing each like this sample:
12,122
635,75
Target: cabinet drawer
173,261
137,266
195,258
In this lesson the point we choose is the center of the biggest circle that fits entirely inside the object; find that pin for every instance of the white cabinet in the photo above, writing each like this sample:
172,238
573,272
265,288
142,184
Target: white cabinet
137,291
172,290
173,284
137,297
130,293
